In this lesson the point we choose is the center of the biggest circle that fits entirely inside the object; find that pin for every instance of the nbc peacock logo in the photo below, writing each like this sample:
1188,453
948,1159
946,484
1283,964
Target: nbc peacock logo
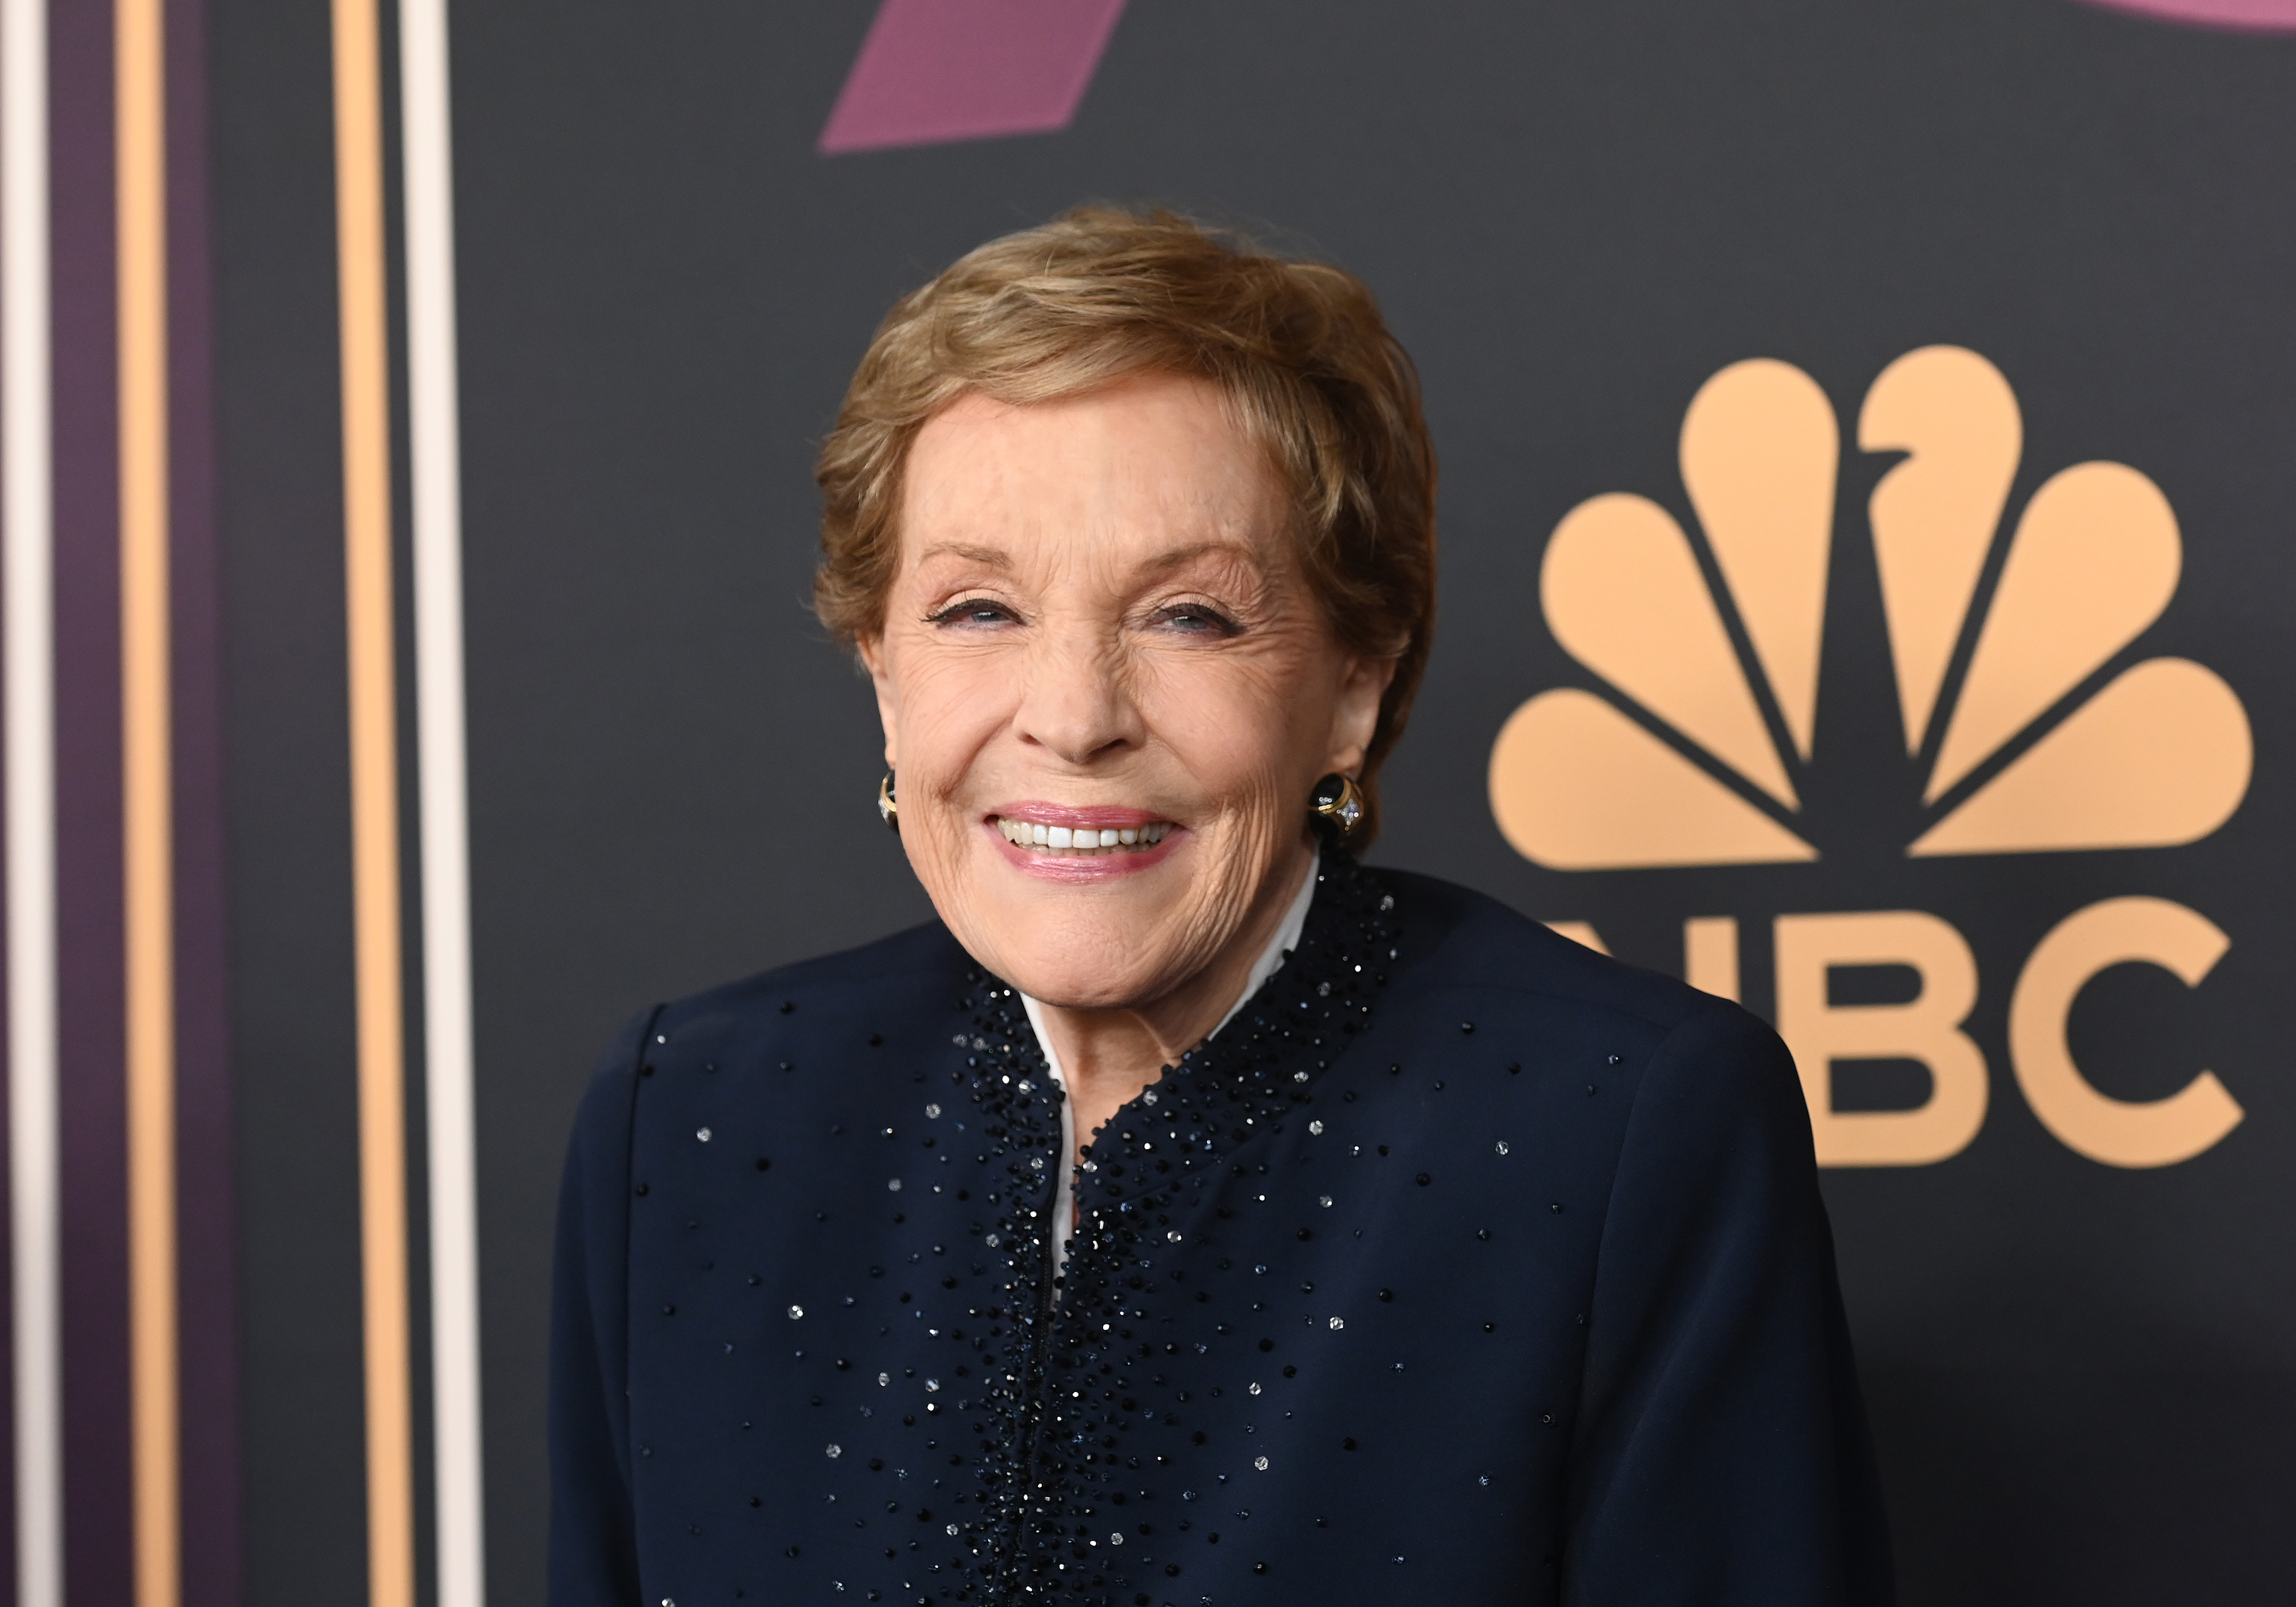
2020,734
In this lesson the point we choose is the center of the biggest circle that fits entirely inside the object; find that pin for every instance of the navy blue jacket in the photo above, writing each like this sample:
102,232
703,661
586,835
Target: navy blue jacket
1466,1266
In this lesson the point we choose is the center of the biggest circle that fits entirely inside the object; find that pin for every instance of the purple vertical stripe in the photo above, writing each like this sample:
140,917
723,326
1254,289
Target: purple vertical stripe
2249,16
97,1471
91,1108
7,1294
207,1277
92,1105
7,1325
932,70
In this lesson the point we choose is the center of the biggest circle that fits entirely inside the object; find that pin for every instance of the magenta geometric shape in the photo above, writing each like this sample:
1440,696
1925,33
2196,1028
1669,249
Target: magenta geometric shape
2245,16
935,71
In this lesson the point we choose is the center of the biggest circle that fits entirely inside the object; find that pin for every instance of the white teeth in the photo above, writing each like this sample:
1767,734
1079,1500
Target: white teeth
1081,839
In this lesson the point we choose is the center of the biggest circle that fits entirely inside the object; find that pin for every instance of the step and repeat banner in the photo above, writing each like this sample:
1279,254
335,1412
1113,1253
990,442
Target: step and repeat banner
1869,440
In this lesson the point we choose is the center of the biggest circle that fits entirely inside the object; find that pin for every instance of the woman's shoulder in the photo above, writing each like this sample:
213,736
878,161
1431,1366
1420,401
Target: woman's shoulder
1472,970
813,1013
870,978
1458,938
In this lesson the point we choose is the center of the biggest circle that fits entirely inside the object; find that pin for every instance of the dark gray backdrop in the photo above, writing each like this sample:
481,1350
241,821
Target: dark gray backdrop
2081,1378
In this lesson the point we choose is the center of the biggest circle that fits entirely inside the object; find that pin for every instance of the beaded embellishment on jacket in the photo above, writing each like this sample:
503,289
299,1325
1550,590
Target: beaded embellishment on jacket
1062,1399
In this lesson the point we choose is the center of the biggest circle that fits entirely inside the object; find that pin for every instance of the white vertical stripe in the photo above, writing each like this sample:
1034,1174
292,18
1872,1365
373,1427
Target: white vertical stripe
28,660
435,465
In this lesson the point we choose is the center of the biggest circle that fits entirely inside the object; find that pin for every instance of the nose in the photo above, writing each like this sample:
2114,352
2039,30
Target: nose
1078,703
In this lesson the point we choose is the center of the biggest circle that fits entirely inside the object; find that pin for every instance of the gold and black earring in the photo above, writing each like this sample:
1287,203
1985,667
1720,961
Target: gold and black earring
1338,800
888,810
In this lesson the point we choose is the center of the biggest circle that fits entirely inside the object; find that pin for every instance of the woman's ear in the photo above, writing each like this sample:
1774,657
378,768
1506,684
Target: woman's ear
1355,719
871,650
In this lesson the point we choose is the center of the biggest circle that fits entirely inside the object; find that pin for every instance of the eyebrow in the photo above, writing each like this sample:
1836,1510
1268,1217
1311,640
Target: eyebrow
1172,558
990,556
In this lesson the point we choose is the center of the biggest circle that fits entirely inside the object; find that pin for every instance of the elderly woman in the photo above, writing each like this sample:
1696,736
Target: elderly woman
1190,1214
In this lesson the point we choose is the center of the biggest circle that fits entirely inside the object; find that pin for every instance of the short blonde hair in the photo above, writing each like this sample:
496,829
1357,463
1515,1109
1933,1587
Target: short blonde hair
1297,349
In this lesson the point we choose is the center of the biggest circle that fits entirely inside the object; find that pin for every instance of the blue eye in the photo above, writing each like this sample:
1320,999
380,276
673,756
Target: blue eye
1190,620
973,611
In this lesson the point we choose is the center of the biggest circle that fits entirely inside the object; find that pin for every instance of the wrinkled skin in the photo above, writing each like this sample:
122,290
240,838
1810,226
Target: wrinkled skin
1098,608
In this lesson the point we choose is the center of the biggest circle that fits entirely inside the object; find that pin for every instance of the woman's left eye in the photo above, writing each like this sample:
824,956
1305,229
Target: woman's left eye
1194,620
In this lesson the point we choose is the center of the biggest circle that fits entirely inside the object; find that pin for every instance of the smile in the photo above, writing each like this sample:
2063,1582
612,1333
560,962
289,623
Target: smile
1076,842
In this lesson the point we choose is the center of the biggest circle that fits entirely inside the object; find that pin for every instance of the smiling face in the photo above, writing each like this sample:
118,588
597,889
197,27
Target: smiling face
1107,692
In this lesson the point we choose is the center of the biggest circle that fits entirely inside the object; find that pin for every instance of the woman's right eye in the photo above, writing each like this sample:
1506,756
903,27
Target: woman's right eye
973,610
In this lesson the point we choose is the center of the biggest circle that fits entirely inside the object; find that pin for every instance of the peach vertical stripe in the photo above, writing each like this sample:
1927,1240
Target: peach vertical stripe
375,802
139,108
